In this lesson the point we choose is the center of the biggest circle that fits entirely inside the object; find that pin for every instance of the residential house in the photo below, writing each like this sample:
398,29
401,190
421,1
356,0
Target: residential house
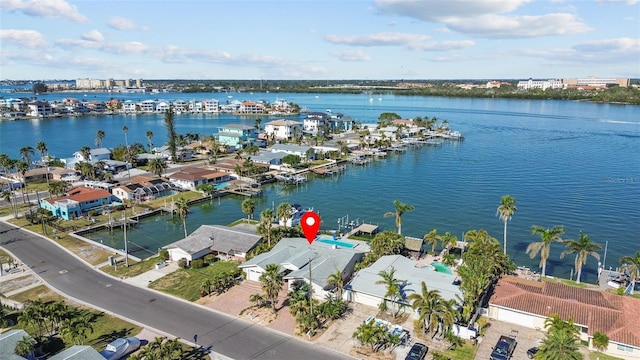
237,136
39,108
231,243
364,290
163,106
529,303
283,129
195,106
95,155
128,106
180,105
190,177
183,152
250,107
8,342
339,122
317,123
78,202
211,105
306,153
78,352
268,158
147,106
143,188
296,255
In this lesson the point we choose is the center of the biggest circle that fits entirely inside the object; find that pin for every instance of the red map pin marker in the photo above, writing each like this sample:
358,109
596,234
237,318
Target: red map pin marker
310,224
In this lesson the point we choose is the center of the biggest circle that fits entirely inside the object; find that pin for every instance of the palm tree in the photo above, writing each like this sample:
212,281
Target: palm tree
25,346
99,137
547,236
432,239
283,212
401,208
271,281
5,162
157,166
600,341
393,287
7,196
22,168
560,345
631,265
448,241
42,149
582,248
505,211
182,209
335,279
248,207
432,309
26,153
149,137
85,151
266,220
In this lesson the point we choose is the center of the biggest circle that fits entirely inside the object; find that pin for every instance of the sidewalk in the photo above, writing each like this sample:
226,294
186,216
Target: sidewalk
144,279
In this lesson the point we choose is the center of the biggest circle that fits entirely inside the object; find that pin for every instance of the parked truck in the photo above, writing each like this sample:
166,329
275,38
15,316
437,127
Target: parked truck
504,348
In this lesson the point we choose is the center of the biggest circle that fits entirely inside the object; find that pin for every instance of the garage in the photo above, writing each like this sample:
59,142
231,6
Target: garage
513,317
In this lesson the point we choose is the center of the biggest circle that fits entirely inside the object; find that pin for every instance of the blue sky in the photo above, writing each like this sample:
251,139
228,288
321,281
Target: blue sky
305,39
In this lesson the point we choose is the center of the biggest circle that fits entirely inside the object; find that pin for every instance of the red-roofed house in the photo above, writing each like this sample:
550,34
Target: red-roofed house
528,303
77,202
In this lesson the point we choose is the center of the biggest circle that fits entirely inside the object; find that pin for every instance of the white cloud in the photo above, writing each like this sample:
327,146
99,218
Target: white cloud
351,55
608,51
129,47
620,45
409,41
71,44
120,23
440,10
486,18
49,9
93,35
629,2
505,27
26,38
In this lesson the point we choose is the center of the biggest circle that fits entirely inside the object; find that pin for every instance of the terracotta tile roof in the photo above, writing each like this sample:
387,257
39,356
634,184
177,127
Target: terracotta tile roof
615,315
90,195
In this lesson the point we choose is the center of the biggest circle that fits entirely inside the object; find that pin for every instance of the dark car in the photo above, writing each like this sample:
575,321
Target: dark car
532,352
504,348
418,352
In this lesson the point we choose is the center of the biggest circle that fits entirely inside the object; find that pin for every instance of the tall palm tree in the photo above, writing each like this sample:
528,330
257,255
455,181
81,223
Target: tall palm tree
85,151
182,209
5,162
271,281
99,137
631,265
42,149
448,241
401,208
335,279
157,166
505,211
547,236
560,345
432,309
393,287
248,207
26,152
582,248
283,212
149,137
7,196
171,134
266,220
432,239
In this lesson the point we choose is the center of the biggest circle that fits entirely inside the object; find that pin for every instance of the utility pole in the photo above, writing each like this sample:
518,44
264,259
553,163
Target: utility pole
126,252
310,290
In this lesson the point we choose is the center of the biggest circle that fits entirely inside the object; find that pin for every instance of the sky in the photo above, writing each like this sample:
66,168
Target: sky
318,39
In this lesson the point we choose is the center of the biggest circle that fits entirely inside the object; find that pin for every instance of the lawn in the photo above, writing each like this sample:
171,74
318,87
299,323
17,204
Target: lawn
565,281
41,292
461,352
186,283
160,202
134,269
594,355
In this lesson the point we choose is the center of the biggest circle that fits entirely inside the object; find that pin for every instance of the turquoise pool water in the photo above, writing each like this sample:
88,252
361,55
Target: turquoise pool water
336,242
221,186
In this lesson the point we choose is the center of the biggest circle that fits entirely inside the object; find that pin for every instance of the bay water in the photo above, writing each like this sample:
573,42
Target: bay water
567,163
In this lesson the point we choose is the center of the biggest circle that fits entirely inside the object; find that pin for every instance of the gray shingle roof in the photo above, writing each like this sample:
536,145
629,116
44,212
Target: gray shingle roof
8,341
218,238
294,253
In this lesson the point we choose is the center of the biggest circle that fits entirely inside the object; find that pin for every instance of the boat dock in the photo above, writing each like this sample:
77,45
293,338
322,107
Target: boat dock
329,170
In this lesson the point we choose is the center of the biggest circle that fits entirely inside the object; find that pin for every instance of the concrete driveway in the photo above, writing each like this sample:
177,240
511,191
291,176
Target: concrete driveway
526,338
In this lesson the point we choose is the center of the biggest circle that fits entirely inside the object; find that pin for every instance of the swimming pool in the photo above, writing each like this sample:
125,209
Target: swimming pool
222,186
330,241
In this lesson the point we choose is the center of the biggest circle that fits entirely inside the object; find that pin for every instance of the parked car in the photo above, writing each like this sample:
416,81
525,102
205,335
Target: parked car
504,348
417,352
532,352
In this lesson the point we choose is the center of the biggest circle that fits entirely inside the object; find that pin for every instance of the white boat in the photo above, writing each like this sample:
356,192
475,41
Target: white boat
119,348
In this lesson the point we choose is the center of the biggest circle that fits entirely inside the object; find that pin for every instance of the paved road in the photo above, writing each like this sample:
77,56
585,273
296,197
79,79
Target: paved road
225,334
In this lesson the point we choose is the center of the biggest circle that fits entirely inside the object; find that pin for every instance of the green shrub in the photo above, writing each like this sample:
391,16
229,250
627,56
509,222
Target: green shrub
164,254
197,264
210,258
182,263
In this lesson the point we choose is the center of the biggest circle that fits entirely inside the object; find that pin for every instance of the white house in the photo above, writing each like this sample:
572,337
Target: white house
295,256
39,108
163,106
211,105
529,303
195,246
305,152
148,106
190,177
364,290
283,129
128,106
316,123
